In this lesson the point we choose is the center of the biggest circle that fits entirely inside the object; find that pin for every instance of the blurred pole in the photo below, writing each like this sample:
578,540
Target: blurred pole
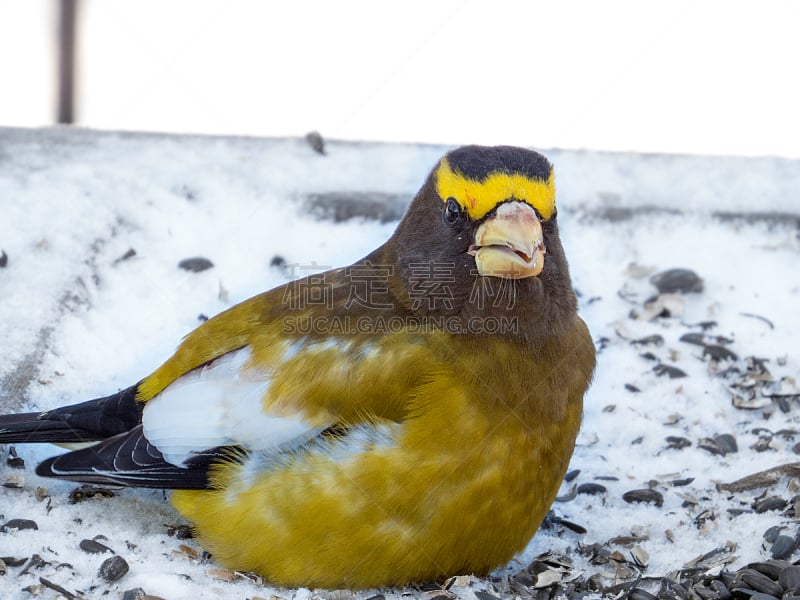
66,61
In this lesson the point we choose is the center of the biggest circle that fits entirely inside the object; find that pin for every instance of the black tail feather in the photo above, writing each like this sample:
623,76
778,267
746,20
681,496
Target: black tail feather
34,427
89,421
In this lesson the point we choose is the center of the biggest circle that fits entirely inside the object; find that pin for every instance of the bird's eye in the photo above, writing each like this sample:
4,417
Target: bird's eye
452,211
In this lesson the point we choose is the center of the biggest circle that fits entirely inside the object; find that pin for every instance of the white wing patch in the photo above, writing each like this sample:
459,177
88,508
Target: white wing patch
217,405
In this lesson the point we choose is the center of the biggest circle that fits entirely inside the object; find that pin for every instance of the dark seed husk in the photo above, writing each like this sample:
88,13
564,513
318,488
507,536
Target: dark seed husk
55,587
12,561
789,577
644,495
113,569
34,562
762,596
681,482
19,524
719,353
672,589
674,281
677,442
641,594
760,582
727,442
181,532
14,461
87,492
722,592
571,475
669,371
649,340
3,259
771,534
580,529
633,389
783,547
481,595
693,337
195,264
700,339
130,253
94,547
591,488
316,141
769,503
720,445
771,568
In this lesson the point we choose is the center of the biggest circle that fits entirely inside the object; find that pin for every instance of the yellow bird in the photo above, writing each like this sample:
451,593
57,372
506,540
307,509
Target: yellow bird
403,419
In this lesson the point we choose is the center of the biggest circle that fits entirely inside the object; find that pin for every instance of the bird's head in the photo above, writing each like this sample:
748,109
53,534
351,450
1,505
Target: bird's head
485,222
499,197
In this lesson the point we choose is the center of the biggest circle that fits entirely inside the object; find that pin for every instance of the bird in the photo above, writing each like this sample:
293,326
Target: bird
403,419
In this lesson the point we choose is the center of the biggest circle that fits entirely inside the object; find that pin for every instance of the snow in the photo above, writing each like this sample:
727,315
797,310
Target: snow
79,323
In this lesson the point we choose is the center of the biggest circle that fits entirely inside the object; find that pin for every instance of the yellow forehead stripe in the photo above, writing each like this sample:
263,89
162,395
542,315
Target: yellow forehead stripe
480,197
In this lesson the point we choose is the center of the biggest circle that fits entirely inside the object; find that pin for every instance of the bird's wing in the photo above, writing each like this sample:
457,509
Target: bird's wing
331,391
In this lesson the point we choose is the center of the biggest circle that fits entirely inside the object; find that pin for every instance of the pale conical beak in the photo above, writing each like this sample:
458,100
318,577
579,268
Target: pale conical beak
510,244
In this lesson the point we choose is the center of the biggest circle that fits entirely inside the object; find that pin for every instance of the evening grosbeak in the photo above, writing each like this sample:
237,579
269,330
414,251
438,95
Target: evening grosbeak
406,418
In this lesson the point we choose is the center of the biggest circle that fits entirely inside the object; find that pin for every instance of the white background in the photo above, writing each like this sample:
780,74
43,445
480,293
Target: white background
701,76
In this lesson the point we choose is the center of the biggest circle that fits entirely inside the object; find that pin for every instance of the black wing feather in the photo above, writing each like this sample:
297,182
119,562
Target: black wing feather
129,459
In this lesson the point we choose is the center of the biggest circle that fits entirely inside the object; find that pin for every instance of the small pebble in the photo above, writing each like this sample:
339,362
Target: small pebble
644,495
134,594
113,569
195,264
673,281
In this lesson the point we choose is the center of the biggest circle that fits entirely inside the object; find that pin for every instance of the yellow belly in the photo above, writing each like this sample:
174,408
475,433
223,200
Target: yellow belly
458,490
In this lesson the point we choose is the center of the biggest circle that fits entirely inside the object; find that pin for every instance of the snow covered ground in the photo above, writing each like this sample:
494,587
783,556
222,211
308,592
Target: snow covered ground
82,316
